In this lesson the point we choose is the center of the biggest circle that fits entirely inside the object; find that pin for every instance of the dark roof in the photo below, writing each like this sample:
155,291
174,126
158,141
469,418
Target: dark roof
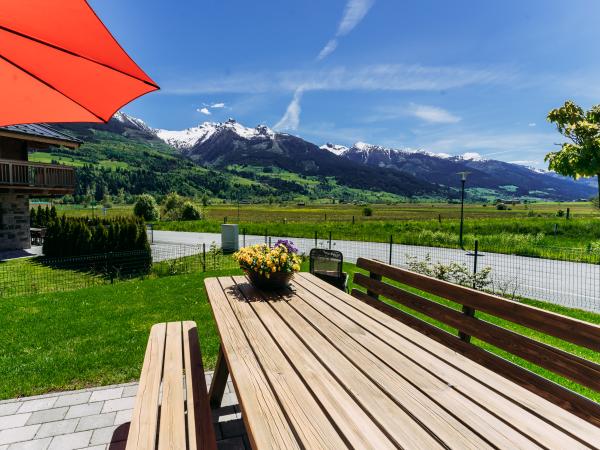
38,131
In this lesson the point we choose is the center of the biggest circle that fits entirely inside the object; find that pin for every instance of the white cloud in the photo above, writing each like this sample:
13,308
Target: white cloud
291,118
472,156
217,105
532,124
382,77
433,114
204,111
354,12
328,49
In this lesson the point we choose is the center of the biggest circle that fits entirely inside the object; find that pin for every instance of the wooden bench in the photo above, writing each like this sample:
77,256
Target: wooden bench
171,408
467,324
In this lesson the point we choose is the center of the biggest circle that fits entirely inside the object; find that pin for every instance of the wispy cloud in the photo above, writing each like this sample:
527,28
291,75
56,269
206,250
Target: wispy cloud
218,105
291,118
433,114
531,125
204,111
379,77
354,13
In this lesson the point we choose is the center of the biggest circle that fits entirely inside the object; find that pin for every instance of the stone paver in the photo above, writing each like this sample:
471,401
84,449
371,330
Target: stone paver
7,409
14,421
86,409
71,441
47,415
73,399
25,433
95,419
106,394
57,428
37,444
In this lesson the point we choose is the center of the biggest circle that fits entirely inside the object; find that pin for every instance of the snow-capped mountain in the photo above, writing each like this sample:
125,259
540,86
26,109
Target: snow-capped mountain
190,137
338,150
406,171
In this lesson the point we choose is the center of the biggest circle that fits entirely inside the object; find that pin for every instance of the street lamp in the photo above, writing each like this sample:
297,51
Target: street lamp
463,179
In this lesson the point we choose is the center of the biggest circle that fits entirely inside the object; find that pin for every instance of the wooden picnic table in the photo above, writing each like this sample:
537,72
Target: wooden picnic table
314,367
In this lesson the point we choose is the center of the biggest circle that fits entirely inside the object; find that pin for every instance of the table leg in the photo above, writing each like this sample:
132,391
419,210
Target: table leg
219,380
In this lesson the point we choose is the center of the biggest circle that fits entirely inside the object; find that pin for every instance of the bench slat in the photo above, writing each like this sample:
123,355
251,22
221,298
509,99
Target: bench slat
142,431
172,414
568,365
566,328
201,433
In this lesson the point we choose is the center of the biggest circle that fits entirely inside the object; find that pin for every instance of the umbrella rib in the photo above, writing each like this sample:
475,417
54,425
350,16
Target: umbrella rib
51,87
64,50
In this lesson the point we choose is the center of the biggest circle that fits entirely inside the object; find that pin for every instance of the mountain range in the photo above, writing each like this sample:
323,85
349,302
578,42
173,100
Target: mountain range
261,161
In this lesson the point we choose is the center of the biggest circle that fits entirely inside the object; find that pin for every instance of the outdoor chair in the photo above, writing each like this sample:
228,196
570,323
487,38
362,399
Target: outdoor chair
328,266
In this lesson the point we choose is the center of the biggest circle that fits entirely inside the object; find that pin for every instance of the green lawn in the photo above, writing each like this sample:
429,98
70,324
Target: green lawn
97,335
94,336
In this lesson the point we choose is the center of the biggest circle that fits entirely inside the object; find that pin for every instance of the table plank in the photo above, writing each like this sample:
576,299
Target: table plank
534,416
312,427
396,418
266,424
433,402
143,428
172,416
352,421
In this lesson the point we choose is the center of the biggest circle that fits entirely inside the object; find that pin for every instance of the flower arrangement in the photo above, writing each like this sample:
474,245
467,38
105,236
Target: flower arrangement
269,267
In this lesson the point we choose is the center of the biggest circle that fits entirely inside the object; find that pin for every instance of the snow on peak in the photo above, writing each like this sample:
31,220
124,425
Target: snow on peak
132,121
334,148
190,137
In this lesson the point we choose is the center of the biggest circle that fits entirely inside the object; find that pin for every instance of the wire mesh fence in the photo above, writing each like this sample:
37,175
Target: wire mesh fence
38,275
571,279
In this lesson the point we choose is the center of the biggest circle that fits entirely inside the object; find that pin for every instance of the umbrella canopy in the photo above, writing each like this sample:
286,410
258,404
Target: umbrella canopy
59,63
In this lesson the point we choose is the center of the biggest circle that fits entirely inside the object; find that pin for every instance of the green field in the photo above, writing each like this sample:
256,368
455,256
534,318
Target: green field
97,335
527,229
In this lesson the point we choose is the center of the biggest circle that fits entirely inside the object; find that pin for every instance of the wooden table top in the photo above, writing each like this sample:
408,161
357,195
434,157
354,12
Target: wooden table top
316,368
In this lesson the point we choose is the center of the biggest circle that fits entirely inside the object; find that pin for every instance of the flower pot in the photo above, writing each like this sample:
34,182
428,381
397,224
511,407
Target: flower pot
277,280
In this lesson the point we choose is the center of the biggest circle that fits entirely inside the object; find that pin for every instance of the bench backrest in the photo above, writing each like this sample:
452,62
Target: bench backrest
179,416
563,363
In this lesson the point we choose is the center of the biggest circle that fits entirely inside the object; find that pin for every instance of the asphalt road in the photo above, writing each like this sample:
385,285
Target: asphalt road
576,285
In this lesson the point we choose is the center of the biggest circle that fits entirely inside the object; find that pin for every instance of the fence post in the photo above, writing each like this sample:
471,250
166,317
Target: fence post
266,234
225,219
467,310
269,241
568,213
330,240
352,220
244,237
391,245
203,257
316,239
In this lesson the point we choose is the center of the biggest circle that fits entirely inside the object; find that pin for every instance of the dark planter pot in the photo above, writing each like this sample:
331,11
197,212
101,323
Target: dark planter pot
277,280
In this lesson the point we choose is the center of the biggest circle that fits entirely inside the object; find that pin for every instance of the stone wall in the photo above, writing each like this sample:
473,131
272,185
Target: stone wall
14,222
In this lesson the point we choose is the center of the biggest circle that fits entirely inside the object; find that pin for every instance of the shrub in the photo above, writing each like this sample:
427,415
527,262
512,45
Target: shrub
367,211
560,213
172,202
189,211
146,208
501,207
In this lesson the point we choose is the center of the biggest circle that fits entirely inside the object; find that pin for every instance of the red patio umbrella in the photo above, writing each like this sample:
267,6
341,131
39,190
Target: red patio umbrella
59,63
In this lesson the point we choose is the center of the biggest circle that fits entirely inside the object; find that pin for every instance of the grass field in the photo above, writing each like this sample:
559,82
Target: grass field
97,335
527,229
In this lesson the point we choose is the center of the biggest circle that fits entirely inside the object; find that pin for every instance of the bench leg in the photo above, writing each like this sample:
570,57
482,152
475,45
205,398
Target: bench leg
219,381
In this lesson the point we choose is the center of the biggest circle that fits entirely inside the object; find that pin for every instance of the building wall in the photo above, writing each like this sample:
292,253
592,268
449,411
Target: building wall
14,222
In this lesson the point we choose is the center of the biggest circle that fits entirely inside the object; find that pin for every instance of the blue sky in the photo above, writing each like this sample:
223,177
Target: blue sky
450,77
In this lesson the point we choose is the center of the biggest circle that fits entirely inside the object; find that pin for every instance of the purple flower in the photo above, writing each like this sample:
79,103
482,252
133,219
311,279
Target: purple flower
289,245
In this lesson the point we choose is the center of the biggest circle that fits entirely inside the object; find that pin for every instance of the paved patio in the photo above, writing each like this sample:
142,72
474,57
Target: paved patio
97,419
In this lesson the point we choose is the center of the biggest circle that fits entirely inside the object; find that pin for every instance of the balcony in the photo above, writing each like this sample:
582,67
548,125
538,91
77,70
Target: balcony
36,178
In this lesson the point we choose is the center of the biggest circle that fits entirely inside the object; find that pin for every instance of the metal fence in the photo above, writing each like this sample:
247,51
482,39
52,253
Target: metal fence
40,275
571,278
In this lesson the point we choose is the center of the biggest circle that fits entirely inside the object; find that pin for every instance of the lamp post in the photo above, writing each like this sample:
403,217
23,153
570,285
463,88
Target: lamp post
463,180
